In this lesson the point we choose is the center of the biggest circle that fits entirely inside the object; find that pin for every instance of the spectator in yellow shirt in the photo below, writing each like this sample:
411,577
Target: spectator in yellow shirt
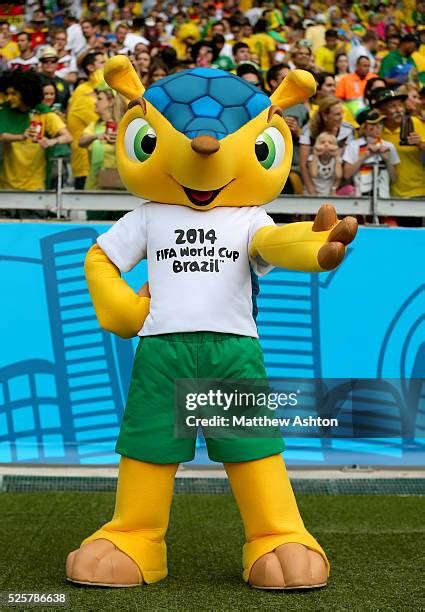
186,35
410,182
315,32
413,101
263,44
32,128
8,49
81,112
325,55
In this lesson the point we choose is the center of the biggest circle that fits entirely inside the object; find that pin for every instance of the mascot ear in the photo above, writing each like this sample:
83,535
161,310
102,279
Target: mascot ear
296,87
120,75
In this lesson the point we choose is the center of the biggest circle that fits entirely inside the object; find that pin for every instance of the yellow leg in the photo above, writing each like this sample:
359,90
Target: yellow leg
268,509
140,520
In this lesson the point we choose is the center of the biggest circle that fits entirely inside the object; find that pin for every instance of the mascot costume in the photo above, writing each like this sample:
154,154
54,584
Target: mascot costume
207,149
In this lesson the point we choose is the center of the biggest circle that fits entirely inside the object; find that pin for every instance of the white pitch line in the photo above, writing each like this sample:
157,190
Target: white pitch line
331,473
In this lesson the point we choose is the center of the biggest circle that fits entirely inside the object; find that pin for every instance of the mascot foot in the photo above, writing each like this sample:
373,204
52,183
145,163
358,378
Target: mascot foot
100,563
289,566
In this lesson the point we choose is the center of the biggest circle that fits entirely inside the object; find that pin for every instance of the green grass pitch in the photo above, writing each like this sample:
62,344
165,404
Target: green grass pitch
375,545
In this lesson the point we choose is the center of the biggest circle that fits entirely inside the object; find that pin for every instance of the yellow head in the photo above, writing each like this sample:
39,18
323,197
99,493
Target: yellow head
203,138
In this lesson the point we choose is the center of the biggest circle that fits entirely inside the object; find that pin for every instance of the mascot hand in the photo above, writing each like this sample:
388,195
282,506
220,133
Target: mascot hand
307,246
118,308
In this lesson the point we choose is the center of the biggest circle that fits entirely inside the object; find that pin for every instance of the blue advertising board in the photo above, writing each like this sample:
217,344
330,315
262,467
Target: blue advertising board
63,381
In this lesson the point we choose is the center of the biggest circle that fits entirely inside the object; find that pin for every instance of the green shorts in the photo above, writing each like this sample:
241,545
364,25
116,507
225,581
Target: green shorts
148,428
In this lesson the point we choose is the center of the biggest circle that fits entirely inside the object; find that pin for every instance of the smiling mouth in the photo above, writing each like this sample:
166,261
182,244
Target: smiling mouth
203,198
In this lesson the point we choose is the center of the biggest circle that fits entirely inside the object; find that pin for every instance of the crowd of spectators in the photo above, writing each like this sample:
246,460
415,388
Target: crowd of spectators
367,56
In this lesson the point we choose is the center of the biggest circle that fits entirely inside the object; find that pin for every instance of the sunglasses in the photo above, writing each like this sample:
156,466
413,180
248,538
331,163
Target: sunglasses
49,61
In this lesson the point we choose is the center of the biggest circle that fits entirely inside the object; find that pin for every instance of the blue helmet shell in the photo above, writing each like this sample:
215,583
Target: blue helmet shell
206,101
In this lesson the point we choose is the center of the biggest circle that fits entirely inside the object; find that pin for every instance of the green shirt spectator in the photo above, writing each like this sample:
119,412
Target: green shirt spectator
393,65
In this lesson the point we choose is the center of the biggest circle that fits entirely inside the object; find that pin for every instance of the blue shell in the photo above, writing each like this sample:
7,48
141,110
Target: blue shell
206,101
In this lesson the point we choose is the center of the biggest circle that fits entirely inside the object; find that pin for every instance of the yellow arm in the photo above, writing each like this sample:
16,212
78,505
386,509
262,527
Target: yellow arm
306,246
294,246
118,308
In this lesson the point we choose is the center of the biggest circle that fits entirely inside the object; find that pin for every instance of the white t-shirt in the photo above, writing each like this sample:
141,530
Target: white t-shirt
198,265
66,64
132,39
23,64
363,179
76,42
325,178
253,15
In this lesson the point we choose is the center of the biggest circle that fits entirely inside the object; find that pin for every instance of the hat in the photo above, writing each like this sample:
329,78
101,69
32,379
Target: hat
223,62
357,28
48,52
308,22
249,67
150,22
386,95
368,115
320,18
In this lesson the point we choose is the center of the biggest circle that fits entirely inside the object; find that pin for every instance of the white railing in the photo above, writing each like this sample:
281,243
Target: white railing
63,203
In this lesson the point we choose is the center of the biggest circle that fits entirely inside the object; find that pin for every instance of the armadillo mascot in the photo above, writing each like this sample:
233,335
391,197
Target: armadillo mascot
207,150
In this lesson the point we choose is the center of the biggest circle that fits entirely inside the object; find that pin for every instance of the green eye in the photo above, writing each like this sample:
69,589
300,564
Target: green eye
270,148
139,140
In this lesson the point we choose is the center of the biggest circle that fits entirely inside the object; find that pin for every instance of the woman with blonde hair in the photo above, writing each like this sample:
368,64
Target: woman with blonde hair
413,103
99,137
327,118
